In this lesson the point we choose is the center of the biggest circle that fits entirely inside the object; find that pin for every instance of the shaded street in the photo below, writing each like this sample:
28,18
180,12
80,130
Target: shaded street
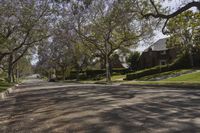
38,106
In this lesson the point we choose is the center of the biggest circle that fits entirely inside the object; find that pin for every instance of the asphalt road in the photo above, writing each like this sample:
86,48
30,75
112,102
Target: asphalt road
40,107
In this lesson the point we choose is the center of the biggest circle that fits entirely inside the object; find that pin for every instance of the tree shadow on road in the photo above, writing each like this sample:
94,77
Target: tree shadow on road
100,109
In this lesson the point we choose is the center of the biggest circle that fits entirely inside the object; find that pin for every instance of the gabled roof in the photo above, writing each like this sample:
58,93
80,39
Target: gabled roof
160,45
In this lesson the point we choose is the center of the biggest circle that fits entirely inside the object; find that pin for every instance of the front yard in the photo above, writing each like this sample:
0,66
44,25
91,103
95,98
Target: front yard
190,79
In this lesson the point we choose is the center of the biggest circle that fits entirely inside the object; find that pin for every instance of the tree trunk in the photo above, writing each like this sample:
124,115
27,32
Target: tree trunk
110,66
1,57
17,73
64,73
77,74
191,58
10,67
50,74
108,76
13,75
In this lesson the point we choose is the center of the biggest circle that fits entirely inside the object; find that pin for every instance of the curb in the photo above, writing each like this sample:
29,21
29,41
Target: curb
4,94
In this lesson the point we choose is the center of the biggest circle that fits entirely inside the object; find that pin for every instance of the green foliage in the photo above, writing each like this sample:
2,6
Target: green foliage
120,70
180,63
146,72
82,76
72,75
2,75
183,29
95,73
4,85
133,59
164,74
24,66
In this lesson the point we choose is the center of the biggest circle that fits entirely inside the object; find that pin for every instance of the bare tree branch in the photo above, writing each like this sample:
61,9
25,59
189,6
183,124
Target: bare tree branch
179,11
169,16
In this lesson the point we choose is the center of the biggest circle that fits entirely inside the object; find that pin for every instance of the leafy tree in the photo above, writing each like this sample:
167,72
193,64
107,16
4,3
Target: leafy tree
105,29
133,59
158,13
183,30
23,67
23,25
65,35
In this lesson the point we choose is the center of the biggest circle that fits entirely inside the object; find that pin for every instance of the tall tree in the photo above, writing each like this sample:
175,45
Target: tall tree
158,13
23,24
183,30
107,26
65,36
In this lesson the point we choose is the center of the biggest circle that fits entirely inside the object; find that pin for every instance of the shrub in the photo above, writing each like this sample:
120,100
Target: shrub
94,73
99,72
180,63
82,76
120,70
147,72
72,75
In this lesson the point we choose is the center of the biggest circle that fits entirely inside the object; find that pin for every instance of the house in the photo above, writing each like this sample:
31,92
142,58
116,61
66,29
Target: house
157,54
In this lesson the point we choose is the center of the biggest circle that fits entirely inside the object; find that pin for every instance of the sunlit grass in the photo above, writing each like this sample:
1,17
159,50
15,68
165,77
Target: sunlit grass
192,77
154,76
179,83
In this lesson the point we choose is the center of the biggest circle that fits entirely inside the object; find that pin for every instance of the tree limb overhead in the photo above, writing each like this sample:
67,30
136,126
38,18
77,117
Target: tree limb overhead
177,12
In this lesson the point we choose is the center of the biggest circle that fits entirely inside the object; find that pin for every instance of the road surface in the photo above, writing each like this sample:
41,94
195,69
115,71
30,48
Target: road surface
41,107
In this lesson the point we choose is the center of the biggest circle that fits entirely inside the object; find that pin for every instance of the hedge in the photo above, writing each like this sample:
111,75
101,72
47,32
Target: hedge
179,63
96,73
145,72
92,74
120,70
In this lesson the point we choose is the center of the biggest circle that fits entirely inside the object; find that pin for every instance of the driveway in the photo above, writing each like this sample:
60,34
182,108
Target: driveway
41,107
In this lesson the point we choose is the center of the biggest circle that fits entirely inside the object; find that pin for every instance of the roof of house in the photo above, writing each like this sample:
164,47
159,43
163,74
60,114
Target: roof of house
160,45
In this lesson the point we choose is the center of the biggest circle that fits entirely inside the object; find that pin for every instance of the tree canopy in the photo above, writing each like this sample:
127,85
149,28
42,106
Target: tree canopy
74,34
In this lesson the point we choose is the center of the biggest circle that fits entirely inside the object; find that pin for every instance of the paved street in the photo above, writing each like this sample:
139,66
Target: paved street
37,106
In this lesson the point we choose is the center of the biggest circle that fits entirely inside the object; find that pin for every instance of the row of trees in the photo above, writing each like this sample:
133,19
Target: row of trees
96,31
24,24
74,34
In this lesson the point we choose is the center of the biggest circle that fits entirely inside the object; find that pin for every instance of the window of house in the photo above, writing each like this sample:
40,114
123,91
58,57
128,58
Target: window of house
163,52
163,62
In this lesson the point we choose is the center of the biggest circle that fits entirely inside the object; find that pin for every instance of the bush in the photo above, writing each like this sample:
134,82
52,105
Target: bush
120,70
99,72
181,62
82,76
94,73
72,75
146,72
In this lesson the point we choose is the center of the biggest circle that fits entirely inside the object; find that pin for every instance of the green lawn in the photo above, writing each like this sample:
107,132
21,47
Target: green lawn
118,77
4,85
168,83
191,77
154,76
